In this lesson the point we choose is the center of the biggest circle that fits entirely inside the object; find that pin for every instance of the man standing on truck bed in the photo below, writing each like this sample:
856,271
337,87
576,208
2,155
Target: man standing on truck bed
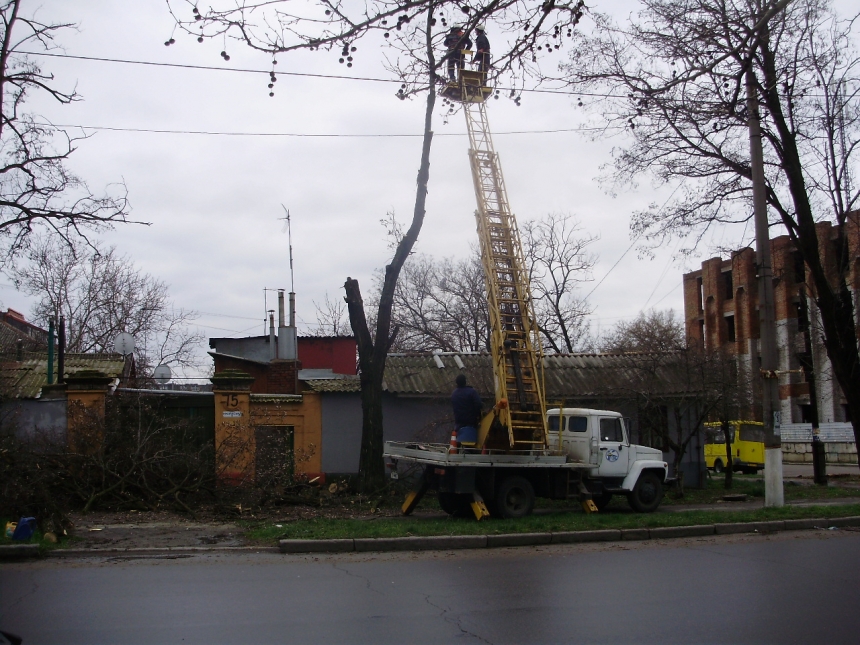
467,410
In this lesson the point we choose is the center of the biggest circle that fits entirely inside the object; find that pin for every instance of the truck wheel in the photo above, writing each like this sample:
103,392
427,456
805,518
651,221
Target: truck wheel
718,466
602,501
456,504
515,498
646,494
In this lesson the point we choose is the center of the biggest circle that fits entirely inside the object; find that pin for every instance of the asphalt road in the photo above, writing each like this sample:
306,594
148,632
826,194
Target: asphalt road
799,587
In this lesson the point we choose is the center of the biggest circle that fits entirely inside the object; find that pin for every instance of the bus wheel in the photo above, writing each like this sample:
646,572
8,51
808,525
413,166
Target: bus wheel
718,466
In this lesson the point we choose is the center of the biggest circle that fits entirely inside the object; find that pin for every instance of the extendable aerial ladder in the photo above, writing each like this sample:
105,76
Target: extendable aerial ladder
520,410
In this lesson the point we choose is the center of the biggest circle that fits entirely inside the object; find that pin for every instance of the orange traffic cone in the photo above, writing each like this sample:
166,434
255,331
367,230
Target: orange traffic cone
452,448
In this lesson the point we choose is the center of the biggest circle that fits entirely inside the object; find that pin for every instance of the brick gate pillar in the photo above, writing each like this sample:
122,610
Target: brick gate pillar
235,446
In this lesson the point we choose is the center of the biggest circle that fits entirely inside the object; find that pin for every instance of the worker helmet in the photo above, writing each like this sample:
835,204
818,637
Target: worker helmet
457,28
482,28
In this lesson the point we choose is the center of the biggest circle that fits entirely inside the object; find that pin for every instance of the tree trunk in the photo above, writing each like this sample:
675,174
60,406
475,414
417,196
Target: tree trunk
832,293
373,351
727,434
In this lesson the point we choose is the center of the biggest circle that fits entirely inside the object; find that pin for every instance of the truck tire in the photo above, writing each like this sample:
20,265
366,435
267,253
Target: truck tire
718,466
456,504
646,494
602,501
515,498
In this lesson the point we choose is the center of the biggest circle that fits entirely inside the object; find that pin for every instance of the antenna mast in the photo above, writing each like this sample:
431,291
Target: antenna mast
292,281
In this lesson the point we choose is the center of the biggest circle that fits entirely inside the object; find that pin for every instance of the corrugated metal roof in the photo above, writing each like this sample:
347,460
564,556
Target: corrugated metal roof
25,380
566,375
9,337
349,384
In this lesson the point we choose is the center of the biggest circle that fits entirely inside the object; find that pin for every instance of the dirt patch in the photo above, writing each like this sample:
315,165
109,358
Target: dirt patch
150,530
216,526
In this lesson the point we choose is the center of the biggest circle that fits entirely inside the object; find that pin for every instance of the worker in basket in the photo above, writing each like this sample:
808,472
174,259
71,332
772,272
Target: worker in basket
482,47
456,41
466,403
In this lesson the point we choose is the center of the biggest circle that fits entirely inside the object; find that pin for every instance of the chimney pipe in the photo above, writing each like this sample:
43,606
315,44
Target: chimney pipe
51,352
61,353
273,347
281,317
292,309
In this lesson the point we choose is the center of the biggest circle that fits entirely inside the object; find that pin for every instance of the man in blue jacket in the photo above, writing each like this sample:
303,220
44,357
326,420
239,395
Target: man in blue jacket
467,410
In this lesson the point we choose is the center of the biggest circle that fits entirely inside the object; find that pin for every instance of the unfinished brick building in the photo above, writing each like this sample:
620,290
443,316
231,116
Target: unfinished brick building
721,311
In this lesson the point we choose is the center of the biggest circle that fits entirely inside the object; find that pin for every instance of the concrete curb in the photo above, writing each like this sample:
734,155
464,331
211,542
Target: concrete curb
18,551
191,550
445,542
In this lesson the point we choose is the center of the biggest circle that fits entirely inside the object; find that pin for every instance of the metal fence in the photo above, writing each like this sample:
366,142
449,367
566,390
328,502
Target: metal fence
829,432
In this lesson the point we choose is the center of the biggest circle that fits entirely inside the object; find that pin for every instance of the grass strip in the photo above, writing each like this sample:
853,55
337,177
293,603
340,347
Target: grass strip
321,529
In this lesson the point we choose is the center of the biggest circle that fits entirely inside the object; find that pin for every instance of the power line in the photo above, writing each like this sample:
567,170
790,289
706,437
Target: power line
209,313
267,72
632,244
304,134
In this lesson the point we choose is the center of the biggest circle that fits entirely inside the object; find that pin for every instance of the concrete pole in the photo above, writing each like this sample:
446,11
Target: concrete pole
773,490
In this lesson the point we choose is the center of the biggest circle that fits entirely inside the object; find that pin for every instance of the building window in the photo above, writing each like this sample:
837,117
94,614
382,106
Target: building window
730,326
805,413
701,294
728,285
702,332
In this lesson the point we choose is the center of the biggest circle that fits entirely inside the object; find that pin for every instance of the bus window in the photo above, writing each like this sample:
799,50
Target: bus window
752,433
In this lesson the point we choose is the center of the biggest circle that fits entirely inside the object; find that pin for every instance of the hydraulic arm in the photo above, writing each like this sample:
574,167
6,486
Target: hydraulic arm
518,421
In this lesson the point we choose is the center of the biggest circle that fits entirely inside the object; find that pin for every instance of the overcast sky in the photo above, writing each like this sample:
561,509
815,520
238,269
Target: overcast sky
214,202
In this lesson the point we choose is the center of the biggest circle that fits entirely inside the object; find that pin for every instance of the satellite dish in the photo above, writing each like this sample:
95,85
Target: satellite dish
162,374
124,344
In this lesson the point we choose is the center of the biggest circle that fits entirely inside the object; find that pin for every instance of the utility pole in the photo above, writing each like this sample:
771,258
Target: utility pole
773,490
807,362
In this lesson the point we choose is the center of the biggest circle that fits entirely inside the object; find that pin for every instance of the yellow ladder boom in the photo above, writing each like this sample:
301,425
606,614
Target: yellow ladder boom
515,342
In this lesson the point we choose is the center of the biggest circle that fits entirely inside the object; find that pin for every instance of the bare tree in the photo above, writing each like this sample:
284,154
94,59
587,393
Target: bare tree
332,319
651,331
713,389
101,293
558,262
413,31
441,305
674,77
36,188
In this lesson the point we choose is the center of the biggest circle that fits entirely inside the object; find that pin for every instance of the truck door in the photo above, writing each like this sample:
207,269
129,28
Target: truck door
614,448
576,438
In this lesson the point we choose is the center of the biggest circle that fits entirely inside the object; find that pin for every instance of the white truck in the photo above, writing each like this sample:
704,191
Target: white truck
590,458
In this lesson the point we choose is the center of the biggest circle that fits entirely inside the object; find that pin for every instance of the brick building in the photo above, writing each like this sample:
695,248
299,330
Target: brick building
721,312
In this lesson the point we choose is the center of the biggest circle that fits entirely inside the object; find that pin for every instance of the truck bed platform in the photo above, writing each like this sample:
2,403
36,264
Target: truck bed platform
437,454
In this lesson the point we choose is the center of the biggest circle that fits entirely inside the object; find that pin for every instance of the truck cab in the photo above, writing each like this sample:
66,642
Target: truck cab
601,438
